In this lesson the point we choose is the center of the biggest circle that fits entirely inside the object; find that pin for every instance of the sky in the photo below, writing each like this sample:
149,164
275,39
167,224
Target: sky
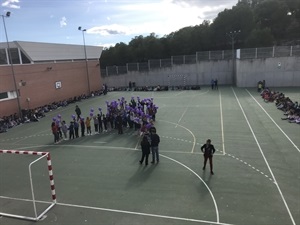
107,22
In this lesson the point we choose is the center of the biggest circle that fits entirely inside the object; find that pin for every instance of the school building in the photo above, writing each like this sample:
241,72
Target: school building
42,73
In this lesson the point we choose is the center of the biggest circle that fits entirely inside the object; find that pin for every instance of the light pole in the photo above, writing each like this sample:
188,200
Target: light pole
86,63
232,35
11,65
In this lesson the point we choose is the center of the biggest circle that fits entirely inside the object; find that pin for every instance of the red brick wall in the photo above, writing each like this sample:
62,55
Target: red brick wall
40,83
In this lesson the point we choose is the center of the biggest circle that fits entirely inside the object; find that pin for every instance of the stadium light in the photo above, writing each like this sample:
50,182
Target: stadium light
86,64
232,35
11,65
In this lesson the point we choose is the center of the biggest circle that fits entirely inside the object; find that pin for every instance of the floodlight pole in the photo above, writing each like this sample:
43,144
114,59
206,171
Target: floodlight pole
232,35
86,63
12,66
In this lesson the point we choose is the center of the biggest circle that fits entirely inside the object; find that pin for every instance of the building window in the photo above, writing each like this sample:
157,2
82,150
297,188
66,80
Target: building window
8,95
3,95
14,55
25,59
3,58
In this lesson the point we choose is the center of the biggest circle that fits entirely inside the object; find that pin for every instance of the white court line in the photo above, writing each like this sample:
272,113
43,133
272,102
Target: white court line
274,122
147,214
194,142
181,117
263,155
222,124
210,192
137,143
119,211
181,92
117,148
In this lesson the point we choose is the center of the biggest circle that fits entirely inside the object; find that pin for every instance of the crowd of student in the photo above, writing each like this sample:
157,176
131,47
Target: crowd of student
291,109
33,115
138,114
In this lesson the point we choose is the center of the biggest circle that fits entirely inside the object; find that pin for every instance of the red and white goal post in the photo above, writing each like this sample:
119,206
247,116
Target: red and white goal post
48,158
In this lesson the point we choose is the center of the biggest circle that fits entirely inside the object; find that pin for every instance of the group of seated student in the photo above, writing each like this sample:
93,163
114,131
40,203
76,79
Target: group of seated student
33,115
291,109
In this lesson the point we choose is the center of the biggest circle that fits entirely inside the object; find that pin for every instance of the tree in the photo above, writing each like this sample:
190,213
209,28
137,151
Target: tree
260,38
272,14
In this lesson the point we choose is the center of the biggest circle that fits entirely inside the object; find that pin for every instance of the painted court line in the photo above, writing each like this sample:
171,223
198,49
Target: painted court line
274,122
181,92
181,117
194,138
120,211
210,192
152,215
222,124
266,161
114,147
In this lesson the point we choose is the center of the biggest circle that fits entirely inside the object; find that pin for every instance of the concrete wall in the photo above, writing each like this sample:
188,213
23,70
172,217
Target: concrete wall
190,74
247,74
40,83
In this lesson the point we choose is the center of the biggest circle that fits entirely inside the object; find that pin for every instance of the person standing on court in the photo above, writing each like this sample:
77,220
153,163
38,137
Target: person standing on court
78,112
76,128
82,127
71,130
212,83
54,129
145,145
208,149
216,84
154,146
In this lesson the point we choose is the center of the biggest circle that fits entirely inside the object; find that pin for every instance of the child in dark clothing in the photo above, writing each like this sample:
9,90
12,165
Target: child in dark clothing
105,123
71,130
82,127
76,128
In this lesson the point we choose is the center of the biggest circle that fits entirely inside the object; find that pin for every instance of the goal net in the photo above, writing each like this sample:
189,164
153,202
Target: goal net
24,179
177,81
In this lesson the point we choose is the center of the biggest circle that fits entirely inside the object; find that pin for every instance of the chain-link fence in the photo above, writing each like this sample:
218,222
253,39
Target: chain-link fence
247,53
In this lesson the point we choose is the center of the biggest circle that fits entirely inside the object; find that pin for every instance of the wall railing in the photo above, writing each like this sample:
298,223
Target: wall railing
247,53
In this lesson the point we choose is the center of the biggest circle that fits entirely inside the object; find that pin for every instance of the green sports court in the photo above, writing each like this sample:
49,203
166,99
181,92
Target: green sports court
98,178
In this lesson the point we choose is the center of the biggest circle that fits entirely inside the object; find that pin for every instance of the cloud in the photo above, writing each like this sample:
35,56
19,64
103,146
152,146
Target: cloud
148,16
203,3
11,4
112,29
63,22
108,45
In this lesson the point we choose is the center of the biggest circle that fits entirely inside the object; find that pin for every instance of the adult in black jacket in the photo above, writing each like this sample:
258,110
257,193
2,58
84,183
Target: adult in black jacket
78,112
145,145
208,149
154,145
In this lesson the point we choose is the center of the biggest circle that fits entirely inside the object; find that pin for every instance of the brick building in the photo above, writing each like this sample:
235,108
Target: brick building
43,73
